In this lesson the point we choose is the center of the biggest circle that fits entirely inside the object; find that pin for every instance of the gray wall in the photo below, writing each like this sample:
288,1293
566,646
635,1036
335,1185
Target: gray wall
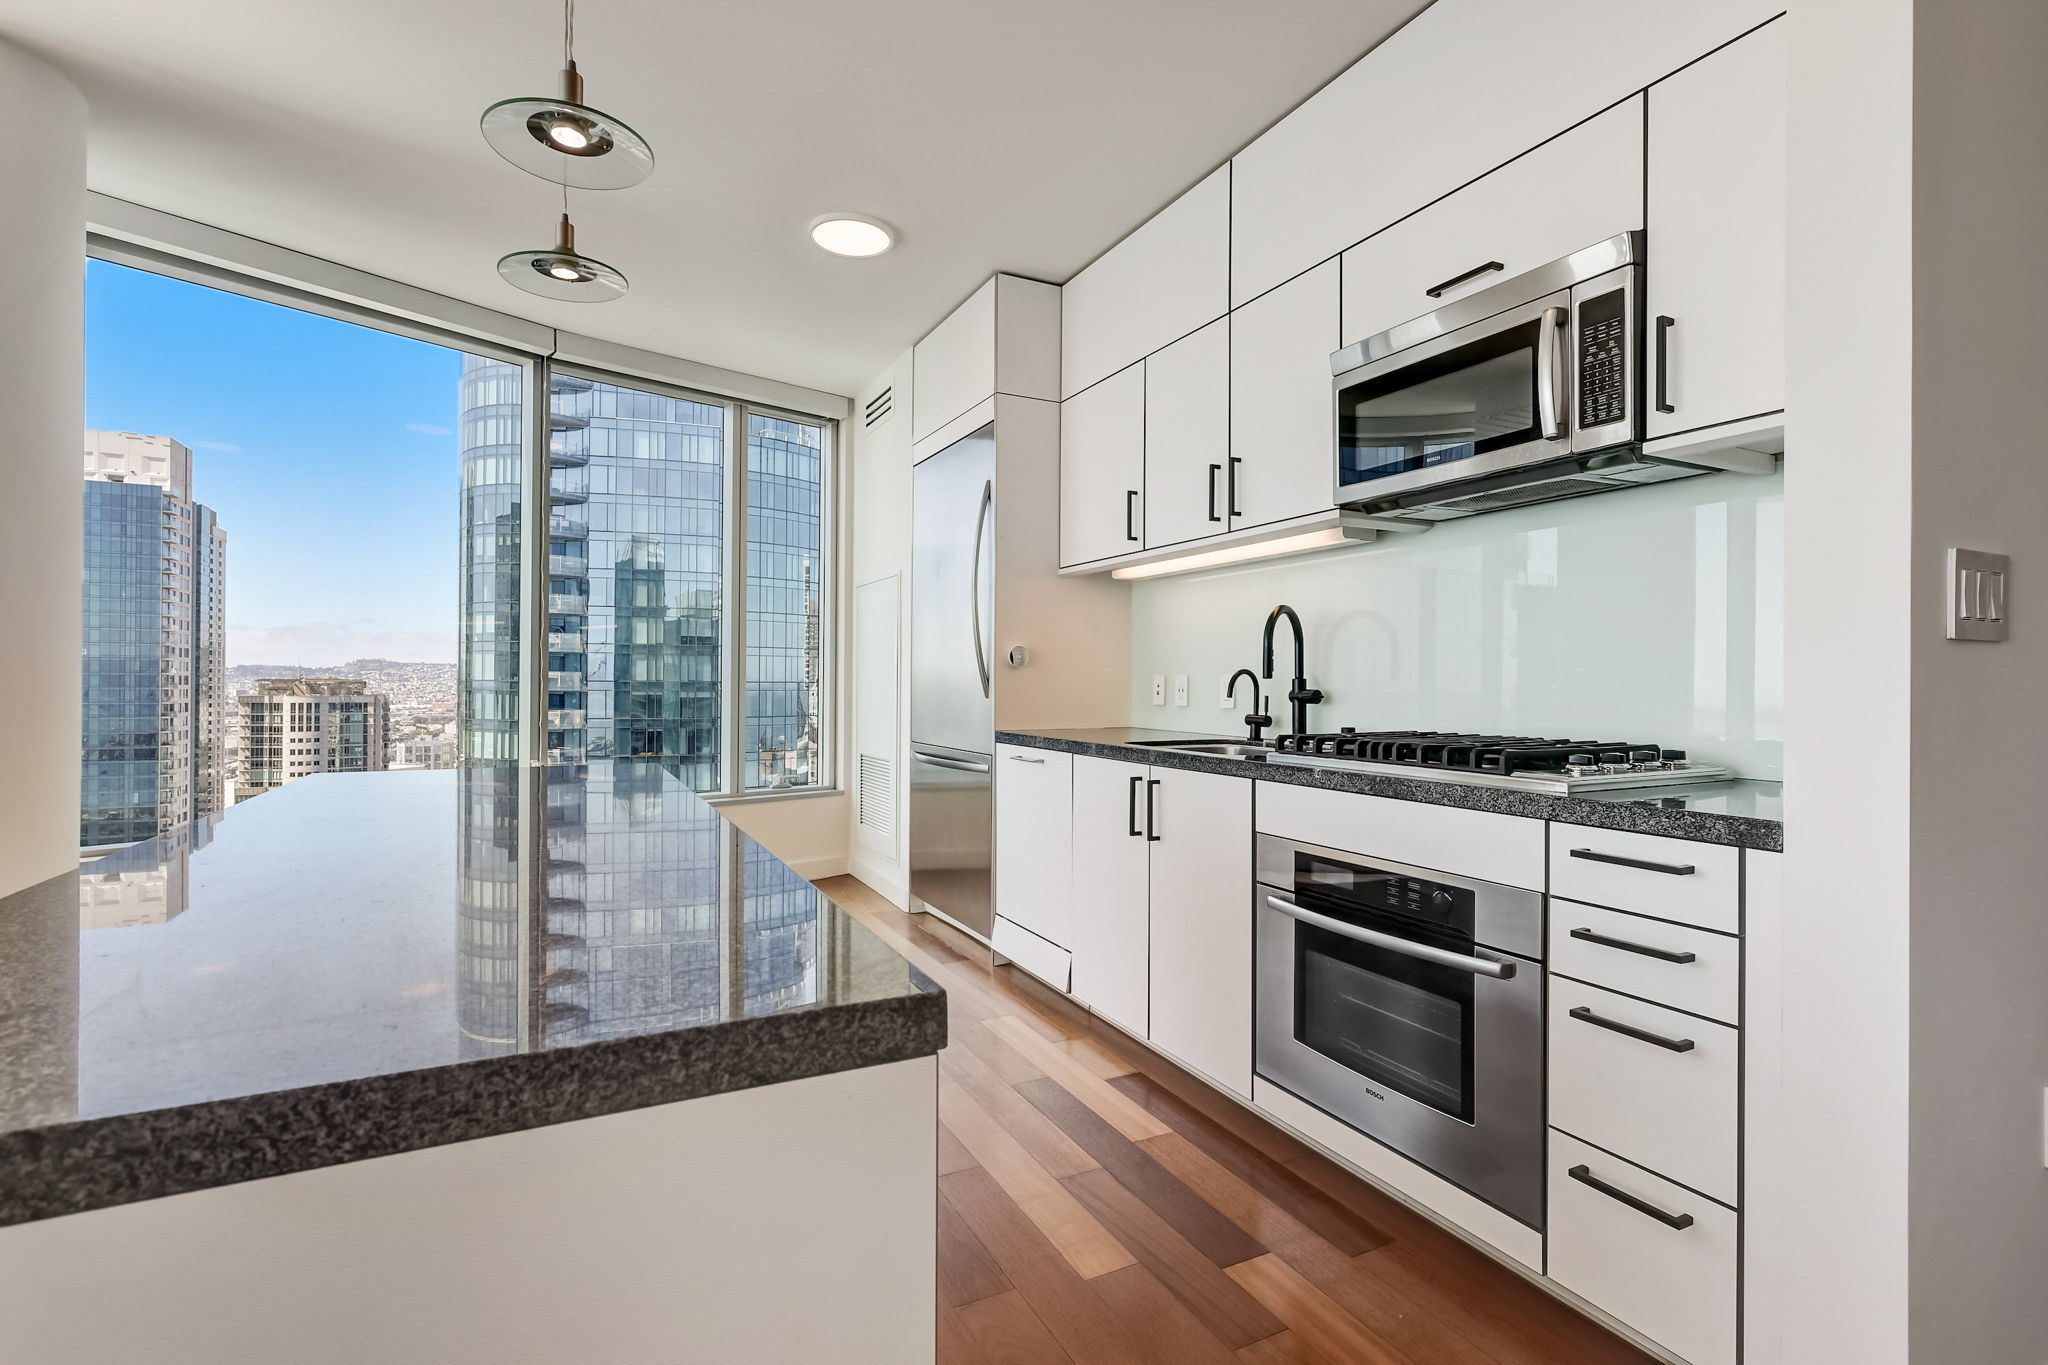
42,220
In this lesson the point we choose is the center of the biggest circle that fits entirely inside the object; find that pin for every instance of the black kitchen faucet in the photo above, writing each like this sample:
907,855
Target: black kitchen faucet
1300,695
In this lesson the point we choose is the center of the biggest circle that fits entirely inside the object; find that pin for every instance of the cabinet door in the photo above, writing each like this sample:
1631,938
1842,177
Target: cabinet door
1187,438
954,367
1111,934
1202,923
1102,469
1579,188
1717,237
1034,840
1280,426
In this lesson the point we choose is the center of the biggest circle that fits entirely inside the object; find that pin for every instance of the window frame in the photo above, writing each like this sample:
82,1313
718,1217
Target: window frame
537,366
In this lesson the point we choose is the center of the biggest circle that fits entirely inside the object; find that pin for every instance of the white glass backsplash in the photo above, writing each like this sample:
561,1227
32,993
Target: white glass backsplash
1648,616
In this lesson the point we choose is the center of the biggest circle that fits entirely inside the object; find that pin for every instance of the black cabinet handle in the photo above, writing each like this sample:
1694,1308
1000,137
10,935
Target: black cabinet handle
1661,954
1454,281
1681,1221
1669,869
1136,833
1631,1031
1214,470
1664,326
1151,828
1231,501
1131,515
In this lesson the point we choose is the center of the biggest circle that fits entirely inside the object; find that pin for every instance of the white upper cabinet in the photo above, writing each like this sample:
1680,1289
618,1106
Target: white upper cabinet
1716,283
1579,188
1187,438
1004,338
1163,281
1102,469
1280,402
1460,90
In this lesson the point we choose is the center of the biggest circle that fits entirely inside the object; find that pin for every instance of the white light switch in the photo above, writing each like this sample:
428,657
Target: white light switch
1976,594
1159,689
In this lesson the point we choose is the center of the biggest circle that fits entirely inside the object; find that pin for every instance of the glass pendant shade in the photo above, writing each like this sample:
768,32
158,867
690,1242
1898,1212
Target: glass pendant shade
562,273
566,142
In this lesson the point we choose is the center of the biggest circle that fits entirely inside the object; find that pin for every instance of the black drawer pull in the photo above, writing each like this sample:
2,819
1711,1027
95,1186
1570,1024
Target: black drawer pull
1664,326
1136,833
1214,470
1681,1221
1151,821
1454,281
1661,954
1131,515
1669,869
1630,1030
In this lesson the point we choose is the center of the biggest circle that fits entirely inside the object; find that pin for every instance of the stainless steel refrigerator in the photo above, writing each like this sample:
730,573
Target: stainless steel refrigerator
952,707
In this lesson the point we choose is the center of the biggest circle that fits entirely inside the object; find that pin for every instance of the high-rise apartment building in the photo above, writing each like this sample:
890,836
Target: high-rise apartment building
295,727
635,591
154,664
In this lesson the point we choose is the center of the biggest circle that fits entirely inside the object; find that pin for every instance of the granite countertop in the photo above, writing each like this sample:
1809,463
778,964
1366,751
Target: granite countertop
1746,813
357,965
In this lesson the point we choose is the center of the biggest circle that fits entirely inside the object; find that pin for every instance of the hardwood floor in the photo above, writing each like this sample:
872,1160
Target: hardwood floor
1098,1206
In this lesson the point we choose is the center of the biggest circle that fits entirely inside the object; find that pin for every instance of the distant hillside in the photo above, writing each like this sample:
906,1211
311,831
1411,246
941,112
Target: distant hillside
407,684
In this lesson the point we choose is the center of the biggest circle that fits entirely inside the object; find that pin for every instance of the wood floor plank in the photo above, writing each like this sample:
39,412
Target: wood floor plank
966,1271
953,1346
1082,1240
1090,1054
1312,1315
1005,1331
1415,1325
1208,1231
1049,1144
1331,1220
1161,1324
1225,1308
1512,1320
1067,1304
952,1156
973,1034
1125,1114
1285,1349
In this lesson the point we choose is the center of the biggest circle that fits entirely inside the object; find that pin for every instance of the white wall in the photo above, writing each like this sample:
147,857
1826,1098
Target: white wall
877,479
1651,615
42,328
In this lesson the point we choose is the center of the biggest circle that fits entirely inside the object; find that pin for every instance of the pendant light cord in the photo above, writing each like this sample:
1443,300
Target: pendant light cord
568,32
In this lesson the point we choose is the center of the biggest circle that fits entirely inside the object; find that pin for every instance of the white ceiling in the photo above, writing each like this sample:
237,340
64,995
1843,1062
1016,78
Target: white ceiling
1018,135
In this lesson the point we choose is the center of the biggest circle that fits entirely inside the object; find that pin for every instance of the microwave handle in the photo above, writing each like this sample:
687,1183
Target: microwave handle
1394,943
1550,375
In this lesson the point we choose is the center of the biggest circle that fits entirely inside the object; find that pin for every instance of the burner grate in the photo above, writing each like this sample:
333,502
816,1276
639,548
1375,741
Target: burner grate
1498,755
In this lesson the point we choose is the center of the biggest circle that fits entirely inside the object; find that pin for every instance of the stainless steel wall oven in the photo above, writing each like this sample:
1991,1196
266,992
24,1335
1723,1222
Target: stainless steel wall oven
1409,1004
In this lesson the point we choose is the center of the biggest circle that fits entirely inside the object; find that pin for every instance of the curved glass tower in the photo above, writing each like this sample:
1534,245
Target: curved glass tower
487,714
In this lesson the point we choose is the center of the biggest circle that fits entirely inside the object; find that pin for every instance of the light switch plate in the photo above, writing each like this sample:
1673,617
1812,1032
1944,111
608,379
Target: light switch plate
1977,594
1159,689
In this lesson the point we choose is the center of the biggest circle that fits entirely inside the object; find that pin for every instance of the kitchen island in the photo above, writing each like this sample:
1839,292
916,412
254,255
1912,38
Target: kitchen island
498,1063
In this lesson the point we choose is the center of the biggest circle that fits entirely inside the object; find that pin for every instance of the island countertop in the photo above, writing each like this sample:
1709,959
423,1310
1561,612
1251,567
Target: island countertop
357,965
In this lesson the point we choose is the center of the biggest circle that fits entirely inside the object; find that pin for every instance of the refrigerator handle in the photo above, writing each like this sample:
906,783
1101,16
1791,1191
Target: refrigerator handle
958,765
988,496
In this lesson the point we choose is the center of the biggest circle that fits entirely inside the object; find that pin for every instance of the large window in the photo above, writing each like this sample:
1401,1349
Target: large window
316,545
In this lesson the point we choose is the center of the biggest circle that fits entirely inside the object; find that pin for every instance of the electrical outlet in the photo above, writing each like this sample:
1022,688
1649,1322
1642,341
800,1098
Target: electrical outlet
1224,697
1180,689
1159,689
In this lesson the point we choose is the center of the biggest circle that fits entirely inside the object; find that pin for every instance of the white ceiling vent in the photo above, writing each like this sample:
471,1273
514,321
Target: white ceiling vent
878,409
878,795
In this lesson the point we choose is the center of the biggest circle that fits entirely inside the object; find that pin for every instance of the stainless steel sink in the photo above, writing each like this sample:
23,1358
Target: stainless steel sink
1215,748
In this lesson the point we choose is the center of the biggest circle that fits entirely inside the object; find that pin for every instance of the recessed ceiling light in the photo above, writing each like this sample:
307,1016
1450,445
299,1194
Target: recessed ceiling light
849,234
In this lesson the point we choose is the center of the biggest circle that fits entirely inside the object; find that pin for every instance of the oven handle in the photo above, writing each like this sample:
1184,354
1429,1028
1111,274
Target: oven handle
1550,375
1394,943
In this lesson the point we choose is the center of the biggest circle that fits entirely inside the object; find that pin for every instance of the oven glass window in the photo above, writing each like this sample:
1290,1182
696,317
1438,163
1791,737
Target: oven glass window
1467,401
1402,1023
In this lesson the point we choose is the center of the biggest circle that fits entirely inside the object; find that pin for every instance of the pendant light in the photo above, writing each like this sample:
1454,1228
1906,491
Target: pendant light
565,140
563,273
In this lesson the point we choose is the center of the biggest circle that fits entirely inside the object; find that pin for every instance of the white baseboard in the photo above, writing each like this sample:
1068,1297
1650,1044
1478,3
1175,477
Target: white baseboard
817,869
883,878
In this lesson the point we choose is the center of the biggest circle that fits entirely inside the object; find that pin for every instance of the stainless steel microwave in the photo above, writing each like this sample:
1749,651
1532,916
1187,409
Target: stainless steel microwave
1524,392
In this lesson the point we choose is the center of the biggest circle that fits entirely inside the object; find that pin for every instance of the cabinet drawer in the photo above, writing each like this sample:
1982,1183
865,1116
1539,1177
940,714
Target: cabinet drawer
1581,187
1673,879
1035,840
1669,1104
1636,956
1471,843
1675,1285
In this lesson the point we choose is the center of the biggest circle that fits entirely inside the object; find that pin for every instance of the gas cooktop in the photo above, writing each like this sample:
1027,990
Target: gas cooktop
1559,766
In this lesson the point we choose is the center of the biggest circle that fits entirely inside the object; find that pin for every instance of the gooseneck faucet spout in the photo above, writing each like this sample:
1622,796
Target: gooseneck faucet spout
1300,695
1255,720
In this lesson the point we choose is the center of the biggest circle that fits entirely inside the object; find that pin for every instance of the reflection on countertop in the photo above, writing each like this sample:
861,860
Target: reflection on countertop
359,964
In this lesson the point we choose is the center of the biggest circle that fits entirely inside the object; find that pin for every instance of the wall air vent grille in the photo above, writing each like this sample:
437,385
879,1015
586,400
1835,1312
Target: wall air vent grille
879,408
877,794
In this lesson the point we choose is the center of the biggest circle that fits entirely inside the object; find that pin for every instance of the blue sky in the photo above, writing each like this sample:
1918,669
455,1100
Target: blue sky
329,451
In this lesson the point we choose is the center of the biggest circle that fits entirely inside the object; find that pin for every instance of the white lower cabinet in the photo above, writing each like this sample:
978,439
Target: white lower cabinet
1201,826
1034,840
1655,1255
1112,890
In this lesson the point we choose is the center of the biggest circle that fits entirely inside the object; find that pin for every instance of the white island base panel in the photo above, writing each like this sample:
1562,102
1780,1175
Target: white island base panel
788,1223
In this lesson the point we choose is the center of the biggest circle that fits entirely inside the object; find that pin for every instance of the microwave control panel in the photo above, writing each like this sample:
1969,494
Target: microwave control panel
1603,360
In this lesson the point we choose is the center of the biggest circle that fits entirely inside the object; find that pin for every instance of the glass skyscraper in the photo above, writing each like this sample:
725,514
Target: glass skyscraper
154,643
487,703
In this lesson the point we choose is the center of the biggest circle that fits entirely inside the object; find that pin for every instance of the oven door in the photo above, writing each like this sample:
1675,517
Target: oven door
1421,1040
1487,397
